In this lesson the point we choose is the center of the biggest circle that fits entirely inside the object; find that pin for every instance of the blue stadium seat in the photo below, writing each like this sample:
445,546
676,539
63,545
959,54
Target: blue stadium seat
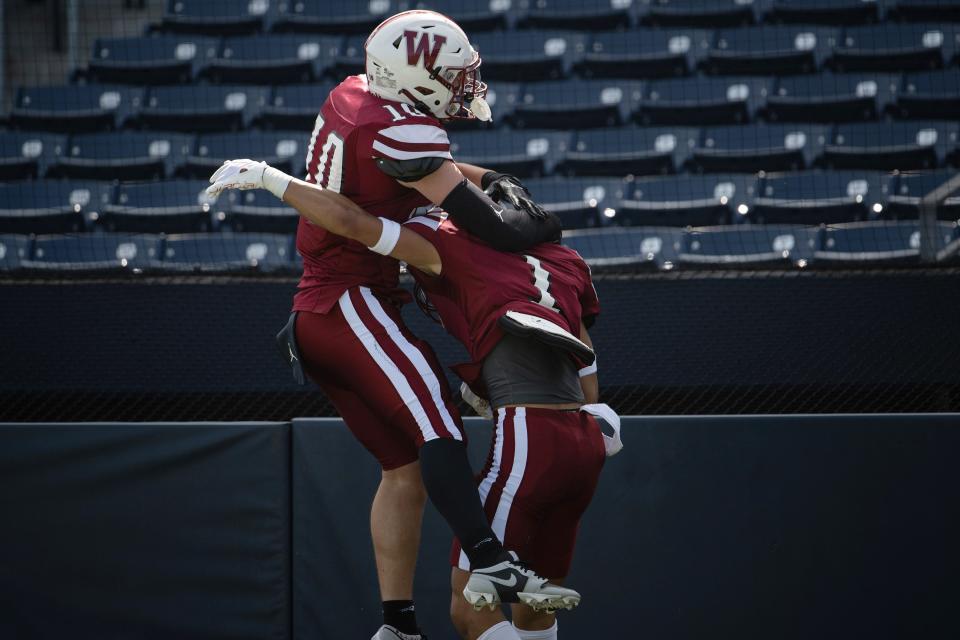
700,101
177,206
170,59
577,104
28,154
351,59
343,16
697,201
930,94
529,55
274,59
894,47
761,147
579,202
128,155
819,197
74,109
770,49
829,97
881,242
295,107
925,10
222,17
227,252
892,145
528,153
587,15
257,210
48,206
749,245
202,108
503,98
828,12
698,13
644,53
908,189
629,150
635,247
473,16
13,250
285,150
93,252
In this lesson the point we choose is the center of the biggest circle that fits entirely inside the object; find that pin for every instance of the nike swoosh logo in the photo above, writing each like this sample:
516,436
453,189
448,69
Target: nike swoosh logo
292,357
507,583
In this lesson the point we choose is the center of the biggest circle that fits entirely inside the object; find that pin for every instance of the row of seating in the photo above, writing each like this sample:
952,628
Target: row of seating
181,206
360,16
561,104
663,248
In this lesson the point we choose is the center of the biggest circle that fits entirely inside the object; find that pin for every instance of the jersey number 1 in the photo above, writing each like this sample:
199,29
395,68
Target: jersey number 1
541,280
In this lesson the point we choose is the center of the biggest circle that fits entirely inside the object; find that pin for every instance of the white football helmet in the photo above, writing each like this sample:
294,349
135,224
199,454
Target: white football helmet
424,59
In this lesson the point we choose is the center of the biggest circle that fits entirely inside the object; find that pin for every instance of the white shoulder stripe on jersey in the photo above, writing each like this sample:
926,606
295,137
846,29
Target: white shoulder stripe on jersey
388,367
397,154
416,134
488,480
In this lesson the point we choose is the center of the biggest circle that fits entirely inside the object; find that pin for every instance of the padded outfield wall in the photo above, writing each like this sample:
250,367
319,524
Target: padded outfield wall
736,526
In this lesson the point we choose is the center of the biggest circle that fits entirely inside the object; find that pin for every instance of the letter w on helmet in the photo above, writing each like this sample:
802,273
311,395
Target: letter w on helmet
417,50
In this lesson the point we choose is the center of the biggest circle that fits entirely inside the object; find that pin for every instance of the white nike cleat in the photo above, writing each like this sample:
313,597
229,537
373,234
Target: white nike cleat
386,632
512,581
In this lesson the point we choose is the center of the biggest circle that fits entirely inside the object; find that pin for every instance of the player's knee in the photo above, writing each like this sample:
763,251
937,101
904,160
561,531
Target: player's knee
405,483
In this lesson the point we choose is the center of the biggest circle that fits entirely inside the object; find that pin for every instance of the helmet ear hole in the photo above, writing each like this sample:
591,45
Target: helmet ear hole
436,103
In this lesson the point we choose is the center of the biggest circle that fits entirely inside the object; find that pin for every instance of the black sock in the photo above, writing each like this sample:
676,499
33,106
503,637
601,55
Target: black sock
453,491
401,615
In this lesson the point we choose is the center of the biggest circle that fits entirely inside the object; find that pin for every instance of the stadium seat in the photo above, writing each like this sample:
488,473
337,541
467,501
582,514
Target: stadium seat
587,15
473,16
93,252
628,150
827,12
13,250
295,107
577,104
749,245
701,101
48,206
697,201
540,55
644,53
925,10
177,206
819,197
830,97
169,59
351,60
227,252
698,13
892,242
223,17
770,49
760,147
285,150
908,189
257,210
318,16
930,94
128,155
202,108
579,202
503,98
274,59
28,154
74,109
893,47
636,247
528,153
892,145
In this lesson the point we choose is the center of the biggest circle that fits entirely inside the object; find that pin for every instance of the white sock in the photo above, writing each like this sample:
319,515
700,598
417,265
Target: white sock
547,634
501,631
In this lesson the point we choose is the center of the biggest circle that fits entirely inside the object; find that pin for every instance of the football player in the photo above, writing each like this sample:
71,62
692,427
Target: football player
379,141
523,319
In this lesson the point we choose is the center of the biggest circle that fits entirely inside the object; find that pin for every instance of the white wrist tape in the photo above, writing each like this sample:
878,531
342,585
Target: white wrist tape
276,181
586,371
388,238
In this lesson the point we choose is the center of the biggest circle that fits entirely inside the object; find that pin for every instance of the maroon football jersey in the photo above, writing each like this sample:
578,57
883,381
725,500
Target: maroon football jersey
353,128
479,284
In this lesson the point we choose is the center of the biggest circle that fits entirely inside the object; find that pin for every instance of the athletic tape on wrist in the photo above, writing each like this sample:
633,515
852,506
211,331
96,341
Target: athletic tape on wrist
586,371
276,181
389,237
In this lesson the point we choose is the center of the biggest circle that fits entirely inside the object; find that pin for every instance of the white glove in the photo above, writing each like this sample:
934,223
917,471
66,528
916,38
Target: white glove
481,406
247,174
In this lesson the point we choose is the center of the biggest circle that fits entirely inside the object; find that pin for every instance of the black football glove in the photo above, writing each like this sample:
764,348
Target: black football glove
504,187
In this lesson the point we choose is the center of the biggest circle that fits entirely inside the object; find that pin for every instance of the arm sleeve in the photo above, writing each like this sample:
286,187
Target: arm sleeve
503,228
